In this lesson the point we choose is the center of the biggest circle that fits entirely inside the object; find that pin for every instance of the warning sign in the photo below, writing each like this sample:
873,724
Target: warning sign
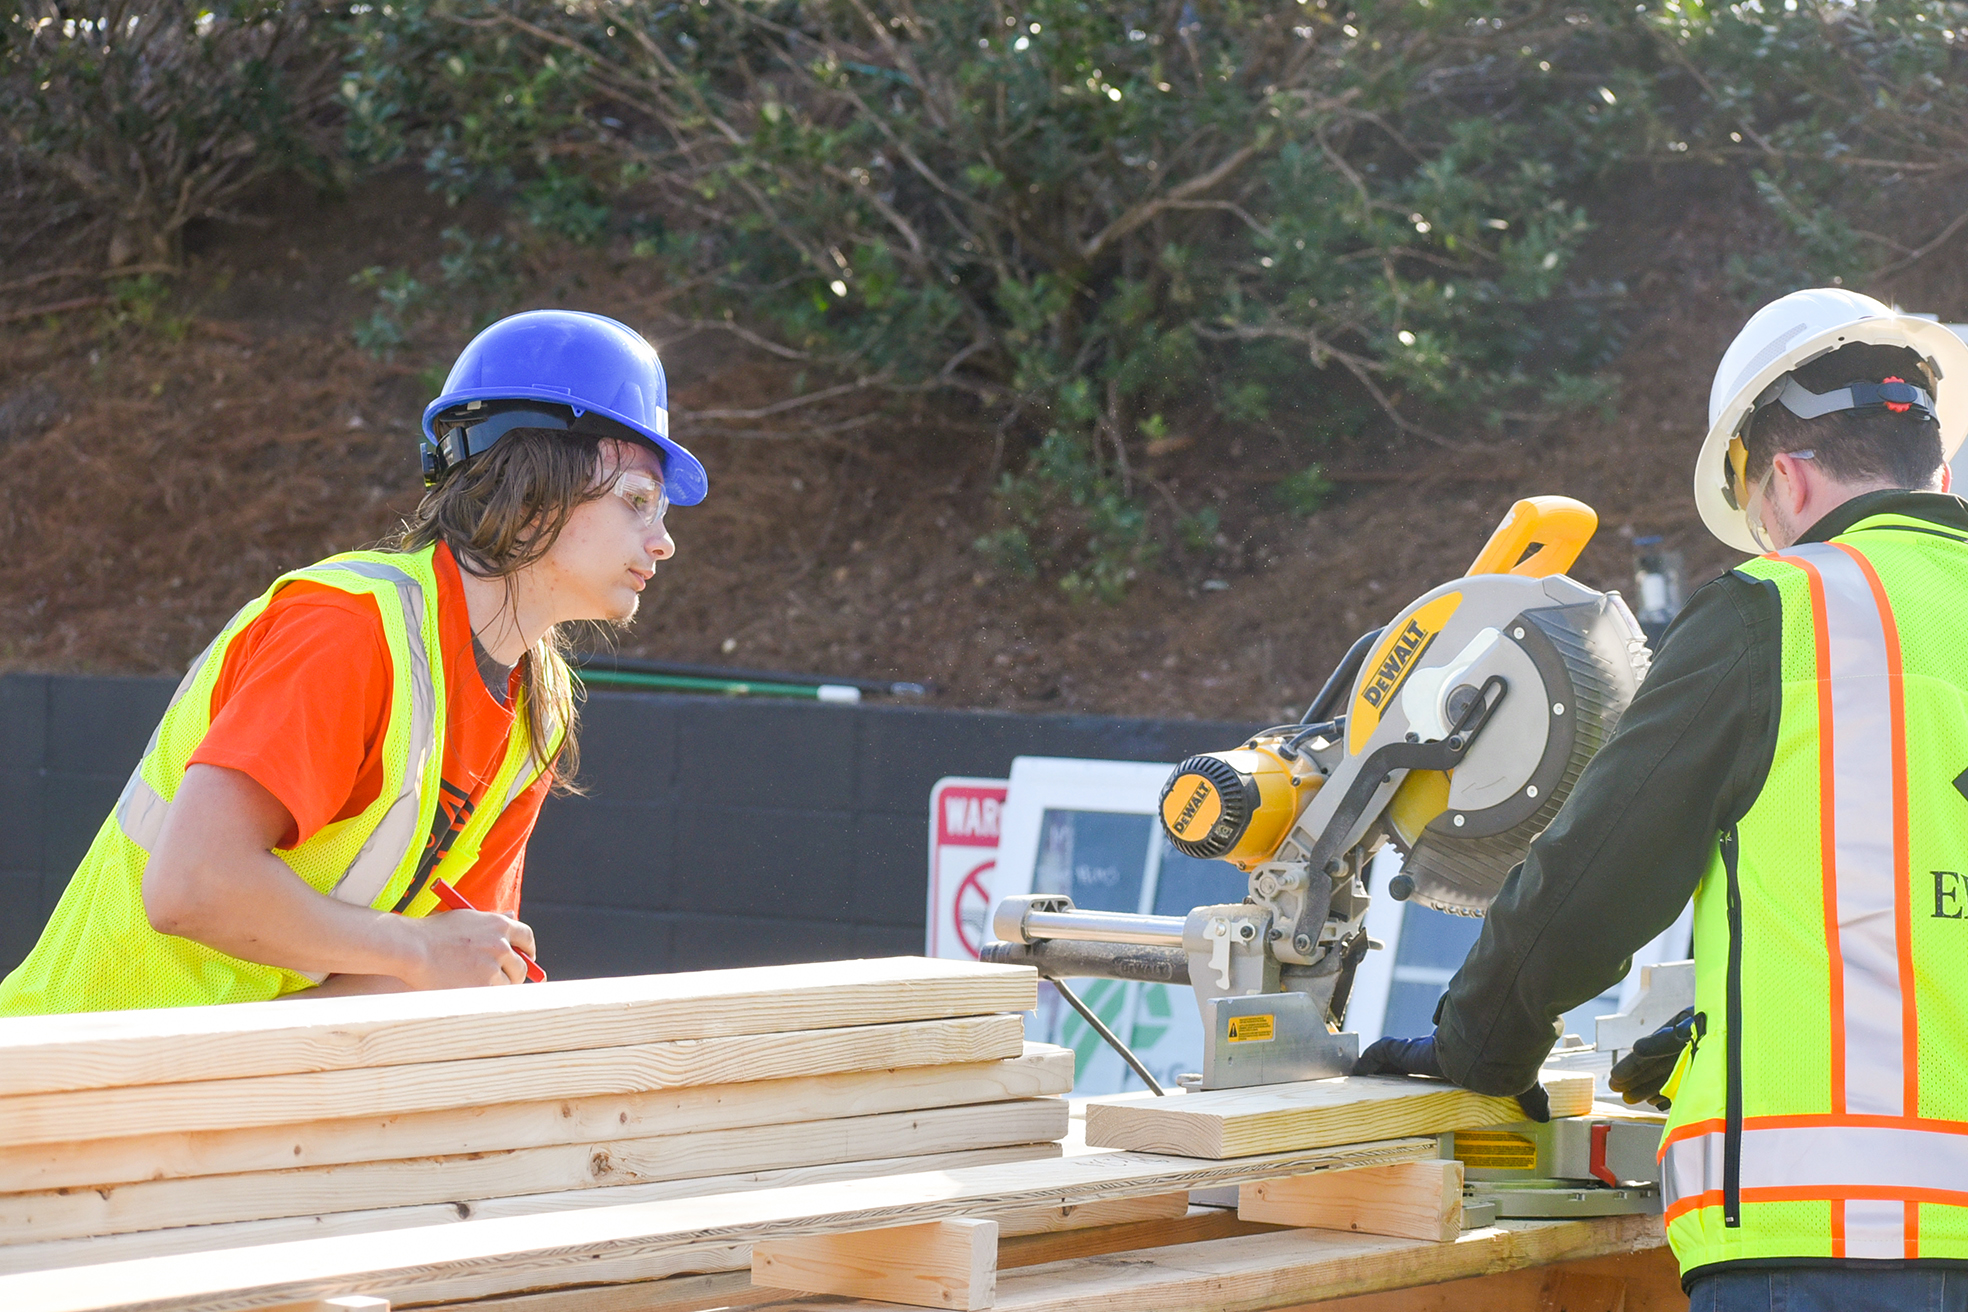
1253,1029
964,820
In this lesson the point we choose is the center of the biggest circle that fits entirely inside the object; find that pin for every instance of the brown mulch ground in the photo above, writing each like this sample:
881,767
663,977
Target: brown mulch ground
155,476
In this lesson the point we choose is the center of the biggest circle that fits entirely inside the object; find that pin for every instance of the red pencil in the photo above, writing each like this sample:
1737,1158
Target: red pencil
455,900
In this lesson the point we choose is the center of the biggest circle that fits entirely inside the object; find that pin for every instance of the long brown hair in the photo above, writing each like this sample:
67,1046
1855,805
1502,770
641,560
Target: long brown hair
499,513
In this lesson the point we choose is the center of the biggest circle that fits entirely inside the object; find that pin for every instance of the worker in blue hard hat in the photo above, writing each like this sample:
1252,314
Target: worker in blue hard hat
387,720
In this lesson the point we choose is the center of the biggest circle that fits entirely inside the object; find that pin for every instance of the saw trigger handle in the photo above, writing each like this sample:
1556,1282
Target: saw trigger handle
1558,527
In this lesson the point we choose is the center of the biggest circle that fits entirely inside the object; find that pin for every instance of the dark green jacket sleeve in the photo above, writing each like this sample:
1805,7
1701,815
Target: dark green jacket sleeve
1625,853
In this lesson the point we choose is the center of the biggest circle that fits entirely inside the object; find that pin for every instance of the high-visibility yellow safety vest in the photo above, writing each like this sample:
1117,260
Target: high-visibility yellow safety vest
99,952
1823,1113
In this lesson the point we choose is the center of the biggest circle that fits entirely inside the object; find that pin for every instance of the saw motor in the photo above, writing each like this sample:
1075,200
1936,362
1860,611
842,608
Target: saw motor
1455,732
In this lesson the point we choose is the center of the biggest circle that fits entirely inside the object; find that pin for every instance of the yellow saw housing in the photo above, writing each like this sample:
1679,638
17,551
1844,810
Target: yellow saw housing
1236,806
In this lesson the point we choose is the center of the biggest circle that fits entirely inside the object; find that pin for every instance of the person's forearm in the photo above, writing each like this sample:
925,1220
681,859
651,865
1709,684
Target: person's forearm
257,909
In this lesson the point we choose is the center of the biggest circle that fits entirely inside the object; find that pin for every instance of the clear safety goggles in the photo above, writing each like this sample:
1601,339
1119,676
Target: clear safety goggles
1752,500
643,494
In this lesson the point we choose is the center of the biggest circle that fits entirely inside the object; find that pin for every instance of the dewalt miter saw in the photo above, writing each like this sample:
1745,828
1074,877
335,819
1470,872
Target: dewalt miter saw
1455,732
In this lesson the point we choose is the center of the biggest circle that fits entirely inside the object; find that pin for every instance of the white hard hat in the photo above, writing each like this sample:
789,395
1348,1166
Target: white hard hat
1789,333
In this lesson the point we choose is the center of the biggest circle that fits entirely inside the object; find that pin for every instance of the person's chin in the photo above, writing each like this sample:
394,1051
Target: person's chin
625,611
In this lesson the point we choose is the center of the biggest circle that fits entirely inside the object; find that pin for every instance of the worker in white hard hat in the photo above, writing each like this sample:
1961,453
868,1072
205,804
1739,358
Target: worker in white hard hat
1796,761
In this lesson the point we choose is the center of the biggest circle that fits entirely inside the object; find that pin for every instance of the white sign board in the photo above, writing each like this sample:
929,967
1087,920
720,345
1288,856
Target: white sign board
964,820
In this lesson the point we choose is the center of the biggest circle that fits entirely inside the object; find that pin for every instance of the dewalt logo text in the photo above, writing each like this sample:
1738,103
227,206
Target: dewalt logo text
1399,656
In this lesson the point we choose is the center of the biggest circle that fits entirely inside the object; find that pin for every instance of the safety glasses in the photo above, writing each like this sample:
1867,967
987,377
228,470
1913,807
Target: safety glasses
645,495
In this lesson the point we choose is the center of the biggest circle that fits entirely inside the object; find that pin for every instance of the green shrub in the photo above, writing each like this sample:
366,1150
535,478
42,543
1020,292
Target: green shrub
154,115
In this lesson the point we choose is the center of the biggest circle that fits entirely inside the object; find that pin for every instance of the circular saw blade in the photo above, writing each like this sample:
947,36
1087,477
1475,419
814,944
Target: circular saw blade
1584,661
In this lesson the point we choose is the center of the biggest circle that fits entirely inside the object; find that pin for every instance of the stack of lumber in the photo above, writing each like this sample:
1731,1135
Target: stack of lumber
133,1135
933,1237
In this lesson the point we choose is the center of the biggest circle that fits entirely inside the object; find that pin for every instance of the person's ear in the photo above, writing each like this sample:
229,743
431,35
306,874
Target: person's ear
1791,487
1947,477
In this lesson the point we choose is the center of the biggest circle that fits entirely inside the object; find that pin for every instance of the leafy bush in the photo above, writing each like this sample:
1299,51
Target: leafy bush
1091,218
153,115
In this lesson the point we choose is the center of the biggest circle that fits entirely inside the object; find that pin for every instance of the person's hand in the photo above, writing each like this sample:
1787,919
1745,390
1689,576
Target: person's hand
466,949
1643,1072
1417,1057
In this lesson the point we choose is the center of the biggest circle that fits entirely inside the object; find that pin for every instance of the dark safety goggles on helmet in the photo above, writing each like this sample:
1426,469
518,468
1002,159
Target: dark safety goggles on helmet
474,428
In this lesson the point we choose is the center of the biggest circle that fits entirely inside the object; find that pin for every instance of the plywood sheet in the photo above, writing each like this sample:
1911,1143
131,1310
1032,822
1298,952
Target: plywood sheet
388,1090
1311,1114
1040,1070
204,1200
45,1054
643,1241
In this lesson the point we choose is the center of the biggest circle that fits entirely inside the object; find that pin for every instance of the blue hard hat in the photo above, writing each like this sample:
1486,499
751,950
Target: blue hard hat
587,363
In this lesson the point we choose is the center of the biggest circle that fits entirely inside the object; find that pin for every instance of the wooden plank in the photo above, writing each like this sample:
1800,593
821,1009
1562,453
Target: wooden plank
1415,1200
351,1303
94,1251
1075,1217
1296,1269
388,1090
644,1241
1647,1282
1193,1226
721,1292
950,1263
206,1200
733,1290
1312,1114
95,1050
1040,1070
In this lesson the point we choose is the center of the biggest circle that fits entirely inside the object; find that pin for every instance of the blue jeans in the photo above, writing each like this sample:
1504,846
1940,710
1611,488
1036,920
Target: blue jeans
1831,1289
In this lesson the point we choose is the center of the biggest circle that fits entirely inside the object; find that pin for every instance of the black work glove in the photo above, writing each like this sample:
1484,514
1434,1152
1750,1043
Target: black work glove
1640,1075
1417,1057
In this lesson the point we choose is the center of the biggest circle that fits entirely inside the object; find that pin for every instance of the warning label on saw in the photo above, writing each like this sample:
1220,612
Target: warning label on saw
1253,1029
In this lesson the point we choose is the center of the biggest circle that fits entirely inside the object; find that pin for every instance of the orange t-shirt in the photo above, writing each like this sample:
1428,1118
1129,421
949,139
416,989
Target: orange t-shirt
303,702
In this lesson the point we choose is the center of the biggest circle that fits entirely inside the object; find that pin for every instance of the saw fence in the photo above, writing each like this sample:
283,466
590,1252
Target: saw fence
877,1130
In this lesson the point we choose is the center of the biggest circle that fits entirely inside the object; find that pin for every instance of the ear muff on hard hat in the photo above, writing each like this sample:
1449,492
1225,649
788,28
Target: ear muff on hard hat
581,371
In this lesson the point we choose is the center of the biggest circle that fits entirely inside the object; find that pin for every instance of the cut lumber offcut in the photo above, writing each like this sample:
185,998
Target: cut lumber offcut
96,1050
1415,1200
94,1251
644,1241
952,1263
385,1090
1287,1269
1039,1071
1312,1114
206,1200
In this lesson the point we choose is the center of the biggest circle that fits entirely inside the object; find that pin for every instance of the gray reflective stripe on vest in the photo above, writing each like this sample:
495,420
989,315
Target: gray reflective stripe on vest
140,812
399,831
1870,1168
1860,833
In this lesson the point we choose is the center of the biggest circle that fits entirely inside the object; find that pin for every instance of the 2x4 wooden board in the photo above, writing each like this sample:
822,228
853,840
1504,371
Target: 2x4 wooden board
1312,1114
96,1050
645,1241
388,1090
204,1200
1039,1071
59,1253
